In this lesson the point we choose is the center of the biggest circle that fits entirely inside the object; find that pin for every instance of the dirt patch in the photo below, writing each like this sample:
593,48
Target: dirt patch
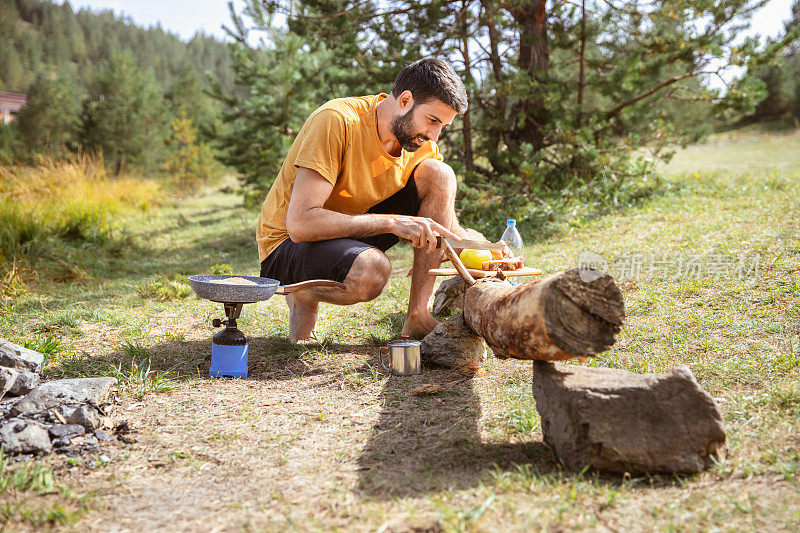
306,439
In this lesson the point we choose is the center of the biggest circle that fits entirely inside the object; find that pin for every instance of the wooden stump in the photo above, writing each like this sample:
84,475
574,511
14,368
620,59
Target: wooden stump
575,313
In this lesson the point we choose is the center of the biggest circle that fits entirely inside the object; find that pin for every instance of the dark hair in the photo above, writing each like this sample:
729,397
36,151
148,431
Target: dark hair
432,78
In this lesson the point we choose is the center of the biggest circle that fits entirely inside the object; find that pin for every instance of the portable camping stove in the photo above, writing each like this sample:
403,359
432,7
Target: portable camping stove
229,347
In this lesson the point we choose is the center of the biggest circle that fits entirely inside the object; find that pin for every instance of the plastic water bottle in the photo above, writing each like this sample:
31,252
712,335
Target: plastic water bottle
513,239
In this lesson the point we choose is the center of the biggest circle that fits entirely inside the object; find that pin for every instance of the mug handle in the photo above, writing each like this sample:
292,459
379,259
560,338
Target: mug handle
380,358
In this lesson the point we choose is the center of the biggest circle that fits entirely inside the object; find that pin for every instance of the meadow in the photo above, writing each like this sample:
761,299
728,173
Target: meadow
318,438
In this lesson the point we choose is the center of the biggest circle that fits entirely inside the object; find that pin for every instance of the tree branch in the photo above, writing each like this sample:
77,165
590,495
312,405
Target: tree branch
667,83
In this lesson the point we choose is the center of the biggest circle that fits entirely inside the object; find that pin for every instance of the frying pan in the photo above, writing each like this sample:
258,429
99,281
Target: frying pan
205,287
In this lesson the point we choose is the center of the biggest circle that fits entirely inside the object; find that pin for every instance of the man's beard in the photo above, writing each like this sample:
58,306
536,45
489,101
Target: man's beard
402,128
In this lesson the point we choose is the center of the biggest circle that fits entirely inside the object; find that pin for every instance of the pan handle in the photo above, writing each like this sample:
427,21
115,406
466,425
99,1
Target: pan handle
286,289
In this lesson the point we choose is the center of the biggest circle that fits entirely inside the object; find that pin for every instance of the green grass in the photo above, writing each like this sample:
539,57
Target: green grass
30,495
30,477
136,374
131,317
165,288
49,346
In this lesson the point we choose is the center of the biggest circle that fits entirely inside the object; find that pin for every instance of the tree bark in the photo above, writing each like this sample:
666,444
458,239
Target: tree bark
575,313
534,59
496,136
582,58
468,153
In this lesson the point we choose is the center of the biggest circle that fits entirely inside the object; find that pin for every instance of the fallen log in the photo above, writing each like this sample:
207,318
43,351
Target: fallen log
575,313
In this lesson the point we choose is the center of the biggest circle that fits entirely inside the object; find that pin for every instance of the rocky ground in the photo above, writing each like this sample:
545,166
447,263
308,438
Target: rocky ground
68,416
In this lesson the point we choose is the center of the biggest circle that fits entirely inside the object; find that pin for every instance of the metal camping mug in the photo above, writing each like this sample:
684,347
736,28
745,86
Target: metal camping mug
404,358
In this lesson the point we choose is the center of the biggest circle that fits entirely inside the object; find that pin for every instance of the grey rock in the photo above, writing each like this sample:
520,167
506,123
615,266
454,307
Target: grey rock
53,393
25,383
7,378
61,442
67,410
19,357
24,436
102,435
5,406
449,296
453,345
89,442
618,421
66,430
86,416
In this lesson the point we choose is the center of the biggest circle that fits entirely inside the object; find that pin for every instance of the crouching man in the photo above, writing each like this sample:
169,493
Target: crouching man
363,173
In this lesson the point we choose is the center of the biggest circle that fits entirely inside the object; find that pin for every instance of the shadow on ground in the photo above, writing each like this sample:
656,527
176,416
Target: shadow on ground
271,358
426,444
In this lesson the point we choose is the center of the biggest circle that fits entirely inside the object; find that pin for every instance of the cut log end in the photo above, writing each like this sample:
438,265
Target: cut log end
583,311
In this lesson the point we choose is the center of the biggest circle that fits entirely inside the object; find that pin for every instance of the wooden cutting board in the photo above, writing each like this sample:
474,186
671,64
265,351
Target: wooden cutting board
524,271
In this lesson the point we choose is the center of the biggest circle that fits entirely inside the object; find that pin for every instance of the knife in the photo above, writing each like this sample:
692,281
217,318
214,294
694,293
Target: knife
473,245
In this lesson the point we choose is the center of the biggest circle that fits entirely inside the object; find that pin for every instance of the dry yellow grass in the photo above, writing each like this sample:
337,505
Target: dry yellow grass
53,213
54,185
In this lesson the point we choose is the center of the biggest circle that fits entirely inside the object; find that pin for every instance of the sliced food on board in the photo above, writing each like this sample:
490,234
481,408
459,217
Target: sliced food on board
504,265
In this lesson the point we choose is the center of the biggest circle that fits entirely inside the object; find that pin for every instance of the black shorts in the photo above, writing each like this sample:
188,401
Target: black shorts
293,262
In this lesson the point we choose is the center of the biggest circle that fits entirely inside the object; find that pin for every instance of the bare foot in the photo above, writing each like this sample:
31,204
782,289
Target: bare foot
417,326
302,318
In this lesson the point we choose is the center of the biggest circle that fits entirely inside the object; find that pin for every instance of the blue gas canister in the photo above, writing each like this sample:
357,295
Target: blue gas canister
229,347
230,360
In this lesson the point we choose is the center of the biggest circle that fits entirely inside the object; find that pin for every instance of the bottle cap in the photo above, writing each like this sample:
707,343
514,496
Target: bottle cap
511,222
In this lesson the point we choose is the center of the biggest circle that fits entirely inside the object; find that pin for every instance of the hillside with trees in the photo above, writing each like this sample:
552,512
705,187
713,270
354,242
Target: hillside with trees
98,84
569,102
44,37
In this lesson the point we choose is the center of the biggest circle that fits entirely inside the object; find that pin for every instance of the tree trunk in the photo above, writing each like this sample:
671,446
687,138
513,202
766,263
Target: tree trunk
468,153
582,59
534,59
496,136
575,313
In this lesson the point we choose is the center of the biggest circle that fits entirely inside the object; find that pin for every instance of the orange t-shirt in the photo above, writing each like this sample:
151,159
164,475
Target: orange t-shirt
340,141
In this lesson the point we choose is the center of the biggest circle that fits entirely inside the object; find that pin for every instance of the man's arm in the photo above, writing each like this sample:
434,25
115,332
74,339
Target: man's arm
308,220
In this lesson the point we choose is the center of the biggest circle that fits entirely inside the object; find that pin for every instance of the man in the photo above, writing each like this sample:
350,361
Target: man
363,173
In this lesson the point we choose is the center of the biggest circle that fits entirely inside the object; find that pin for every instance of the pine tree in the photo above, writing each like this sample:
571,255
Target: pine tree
187,96
285,82
778,75
48,124
191,161
793,61
124,115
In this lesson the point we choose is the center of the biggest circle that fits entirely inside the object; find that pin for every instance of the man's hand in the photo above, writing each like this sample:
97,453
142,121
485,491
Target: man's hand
420,232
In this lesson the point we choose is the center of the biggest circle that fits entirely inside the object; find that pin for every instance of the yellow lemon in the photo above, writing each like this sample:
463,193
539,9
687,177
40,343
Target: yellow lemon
475,258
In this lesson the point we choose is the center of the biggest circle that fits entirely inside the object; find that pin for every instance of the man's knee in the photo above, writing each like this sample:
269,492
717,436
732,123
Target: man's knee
435,177
369,274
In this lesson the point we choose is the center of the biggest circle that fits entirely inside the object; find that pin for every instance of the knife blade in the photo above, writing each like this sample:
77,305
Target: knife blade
474,245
